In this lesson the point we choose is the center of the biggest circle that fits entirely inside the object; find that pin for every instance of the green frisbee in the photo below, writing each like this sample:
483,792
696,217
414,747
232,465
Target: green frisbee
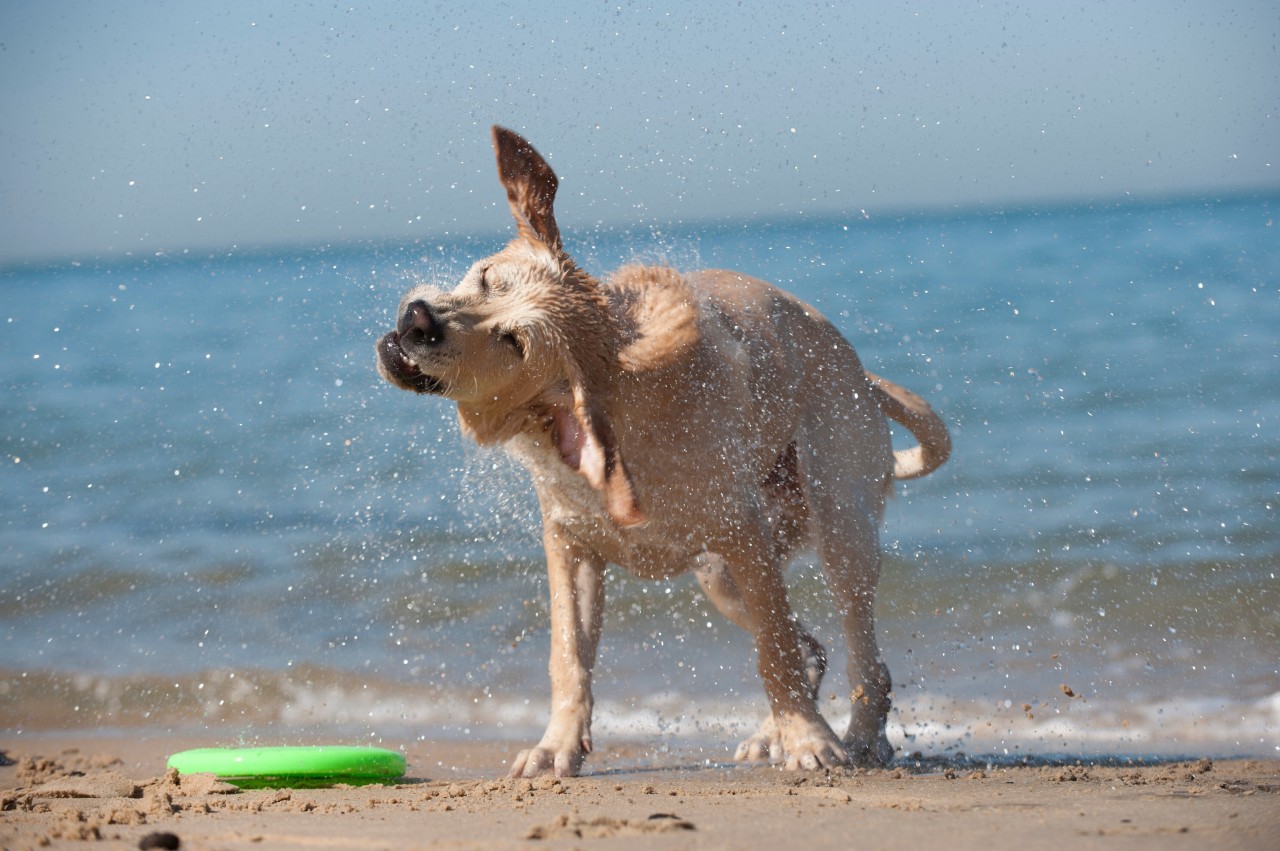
295,767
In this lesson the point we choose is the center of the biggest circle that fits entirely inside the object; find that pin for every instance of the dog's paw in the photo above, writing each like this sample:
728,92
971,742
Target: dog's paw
873,753
765,744
799,744
809,744
563,749
566,762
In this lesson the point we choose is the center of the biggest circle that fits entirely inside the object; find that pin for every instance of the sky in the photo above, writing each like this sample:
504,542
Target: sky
133,128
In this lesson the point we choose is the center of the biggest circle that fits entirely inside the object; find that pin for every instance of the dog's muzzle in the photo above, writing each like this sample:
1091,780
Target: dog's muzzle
417,328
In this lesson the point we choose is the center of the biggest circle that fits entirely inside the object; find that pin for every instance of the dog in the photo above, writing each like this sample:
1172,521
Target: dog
672,422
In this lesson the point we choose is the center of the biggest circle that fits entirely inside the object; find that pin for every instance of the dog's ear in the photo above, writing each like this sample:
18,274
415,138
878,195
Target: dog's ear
586,442
581,430
531,187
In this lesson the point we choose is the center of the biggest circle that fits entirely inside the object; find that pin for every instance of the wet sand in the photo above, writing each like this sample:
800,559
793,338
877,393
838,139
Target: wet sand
61,790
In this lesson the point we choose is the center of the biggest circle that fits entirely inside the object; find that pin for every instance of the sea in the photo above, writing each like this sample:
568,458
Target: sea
217,520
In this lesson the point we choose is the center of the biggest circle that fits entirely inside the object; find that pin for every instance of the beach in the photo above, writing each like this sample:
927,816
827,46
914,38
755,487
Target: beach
64,790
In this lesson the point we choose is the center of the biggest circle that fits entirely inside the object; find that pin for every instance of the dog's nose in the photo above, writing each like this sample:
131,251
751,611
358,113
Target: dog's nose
417,317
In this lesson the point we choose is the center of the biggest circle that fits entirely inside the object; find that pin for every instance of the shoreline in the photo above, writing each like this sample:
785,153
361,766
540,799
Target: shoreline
455,796
306,704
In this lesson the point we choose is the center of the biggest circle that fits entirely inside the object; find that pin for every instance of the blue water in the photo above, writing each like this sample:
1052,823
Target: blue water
203,478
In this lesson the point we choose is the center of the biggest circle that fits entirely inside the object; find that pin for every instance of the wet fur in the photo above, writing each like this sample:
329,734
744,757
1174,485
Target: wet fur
673,422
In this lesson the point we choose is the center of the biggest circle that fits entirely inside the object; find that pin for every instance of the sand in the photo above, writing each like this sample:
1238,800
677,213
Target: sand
61,791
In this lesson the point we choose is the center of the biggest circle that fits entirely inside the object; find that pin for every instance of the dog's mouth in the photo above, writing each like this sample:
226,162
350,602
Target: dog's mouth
402,370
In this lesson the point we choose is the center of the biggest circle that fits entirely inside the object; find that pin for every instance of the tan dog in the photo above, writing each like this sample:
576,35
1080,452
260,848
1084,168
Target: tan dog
671,422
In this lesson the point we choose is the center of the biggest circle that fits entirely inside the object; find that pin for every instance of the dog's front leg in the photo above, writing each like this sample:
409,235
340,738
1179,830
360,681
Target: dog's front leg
576,582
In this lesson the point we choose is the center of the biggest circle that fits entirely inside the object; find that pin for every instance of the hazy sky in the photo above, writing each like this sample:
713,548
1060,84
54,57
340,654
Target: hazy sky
142,127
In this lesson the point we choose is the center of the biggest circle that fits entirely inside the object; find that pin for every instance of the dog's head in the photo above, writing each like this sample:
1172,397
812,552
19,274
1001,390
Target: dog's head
524,340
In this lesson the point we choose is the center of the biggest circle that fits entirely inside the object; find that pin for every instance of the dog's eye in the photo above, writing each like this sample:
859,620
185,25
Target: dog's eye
484,280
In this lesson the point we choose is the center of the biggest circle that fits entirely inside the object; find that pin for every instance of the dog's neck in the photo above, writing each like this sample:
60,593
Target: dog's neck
500,421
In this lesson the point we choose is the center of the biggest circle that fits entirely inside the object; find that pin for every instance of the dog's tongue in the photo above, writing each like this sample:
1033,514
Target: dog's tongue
568,437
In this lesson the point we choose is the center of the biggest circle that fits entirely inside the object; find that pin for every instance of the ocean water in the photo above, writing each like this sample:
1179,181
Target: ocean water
214,516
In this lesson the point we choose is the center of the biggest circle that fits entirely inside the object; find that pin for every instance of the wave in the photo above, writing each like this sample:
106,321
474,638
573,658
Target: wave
309,704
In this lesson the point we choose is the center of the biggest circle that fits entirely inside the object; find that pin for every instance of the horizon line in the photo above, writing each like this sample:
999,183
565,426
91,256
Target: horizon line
899,213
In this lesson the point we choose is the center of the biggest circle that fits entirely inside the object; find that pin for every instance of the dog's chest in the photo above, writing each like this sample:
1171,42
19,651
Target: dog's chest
652,550
561,489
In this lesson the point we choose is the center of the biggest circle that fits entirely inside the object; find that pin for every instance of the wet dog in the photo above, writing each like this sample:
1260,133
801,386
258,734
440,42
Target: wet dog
671,422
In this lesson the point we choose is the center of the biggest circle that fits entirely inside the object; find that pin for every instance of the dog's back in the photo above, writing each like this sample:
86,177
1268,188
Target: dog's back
736,369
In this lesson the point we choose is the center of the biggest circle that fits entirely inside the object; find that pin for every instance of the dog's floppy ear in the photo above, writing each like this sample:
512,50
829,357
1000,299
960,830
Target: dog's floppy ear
581,430
586,442
531,187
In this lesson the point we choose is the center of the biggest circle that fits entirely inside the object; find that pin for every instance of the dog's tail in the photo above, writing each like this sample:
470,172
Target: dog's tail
912,411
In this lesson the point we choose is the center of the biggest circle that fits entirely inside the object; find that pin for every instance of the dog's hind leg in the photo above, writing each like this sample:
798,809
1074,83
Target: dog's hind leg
789,520
720,588
807,741
723,592
847,505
